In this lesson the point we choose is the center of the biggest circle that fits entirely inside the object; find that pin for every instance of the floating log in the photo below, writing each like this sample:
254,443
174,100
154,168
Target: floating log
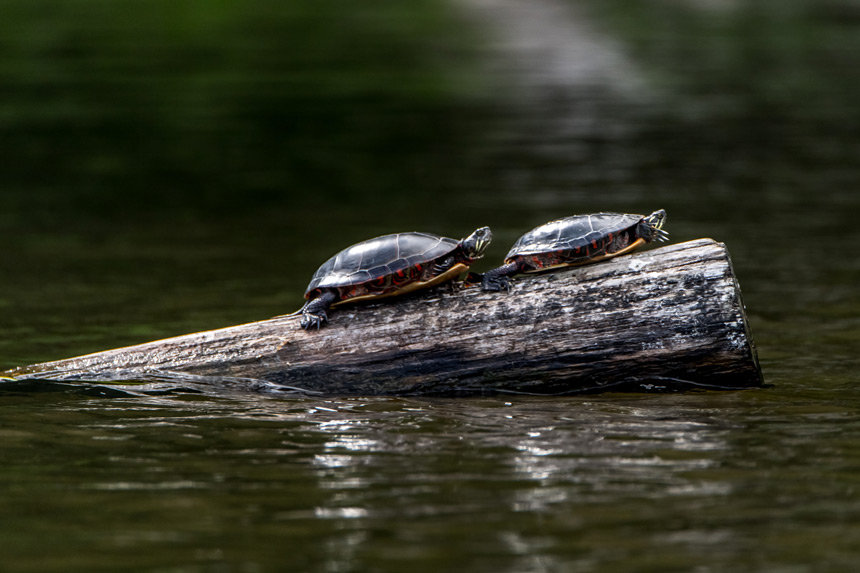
660,319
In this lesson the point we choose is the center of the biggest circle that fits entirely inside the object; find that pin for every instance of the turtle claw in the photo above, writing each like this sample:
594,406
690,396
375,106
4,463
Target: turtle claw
309,320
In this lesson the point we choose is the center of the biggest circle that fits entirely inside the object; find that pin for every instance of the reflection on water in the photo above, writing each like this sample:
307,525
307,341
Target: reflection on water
363,483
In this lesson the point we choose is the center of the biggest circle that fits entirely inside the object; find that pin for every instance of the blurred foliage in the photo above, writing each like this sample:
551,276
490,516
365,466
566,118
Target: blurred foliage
222,105
176,165
773,58
758,100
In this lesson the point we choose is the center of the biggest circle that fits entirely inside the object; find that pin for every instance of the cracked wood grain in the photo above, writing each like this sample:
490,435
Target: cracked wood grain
666,318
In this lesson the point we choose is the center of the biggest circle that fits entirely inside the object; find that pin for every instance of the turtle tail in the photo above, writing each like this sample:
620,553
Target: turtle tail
292,314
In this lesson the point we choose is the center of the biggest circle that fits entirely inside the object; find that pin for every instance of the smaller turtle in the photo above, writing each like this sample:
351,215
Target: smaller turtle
387,266
577,240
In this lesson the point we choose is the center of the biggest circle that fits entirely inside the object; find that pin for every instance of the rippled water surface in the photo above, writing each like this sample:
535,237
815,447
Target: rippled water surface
155,204
739,481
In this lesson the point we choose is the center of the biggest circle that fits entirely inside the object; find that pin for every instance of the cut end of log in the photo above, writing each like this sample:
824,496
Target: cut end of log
663,319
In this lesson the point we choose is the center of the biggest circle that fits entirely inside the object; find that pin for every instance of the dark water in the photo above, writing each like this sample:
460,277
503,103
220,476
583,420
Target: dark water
148,203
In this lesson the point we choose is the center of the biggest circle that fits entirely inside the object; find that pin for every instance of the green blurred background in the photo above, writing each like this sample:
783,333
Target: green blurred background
144,108
155,154
174,166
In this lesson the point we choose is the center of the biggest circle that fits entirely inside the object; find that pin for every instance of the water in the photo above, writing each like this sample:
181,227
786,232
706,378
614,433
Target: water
713,481
103,479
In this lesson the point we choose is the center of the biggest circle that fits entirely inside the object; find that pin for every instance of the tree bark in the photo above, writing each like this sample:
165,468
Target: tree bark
666,318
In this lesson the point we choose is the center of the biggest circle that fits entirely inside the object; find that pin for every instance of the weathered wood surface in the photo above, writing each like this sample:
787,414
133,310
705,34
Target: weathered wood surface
670,317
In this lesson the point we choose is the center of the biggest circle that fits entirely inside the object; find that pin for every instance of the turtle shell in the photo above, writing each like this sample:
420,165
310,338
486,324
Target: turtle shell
571,233
377,259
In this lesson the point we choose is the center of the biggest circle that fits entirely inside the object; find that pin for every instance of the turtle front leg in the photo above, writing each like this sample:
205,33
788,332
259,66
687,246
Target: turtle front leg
498,278
314,312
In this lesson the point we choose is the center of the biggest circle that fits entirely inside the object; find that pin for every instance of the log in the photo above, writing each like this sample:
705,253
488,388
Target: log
662,319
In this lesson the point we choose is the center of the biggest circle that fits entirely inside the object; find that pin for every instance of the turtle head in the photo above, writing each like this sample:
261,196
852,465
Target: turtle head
475,244
653,224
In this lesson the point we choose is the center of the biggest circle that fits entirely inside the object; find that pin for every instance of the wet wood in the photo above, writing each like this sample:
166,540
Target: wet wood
664,318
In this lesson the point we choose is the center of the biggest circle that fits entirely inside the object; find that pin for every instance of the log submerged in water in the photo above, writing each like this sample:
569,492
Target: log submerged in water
666,318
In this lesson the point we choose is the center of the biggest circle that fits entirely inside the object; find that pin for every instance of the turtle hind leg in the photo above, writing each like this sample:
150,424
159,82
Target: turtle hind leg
498,278
314,312
472,279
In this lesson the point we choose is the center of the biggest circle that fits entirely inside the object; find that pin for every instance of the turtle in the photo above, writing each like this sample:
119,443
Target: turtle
389,265
576,240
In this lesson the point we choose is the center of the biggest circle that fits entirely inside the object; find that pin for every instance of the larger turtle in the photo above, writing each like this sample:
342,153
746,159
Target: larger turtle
387,266
576,240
